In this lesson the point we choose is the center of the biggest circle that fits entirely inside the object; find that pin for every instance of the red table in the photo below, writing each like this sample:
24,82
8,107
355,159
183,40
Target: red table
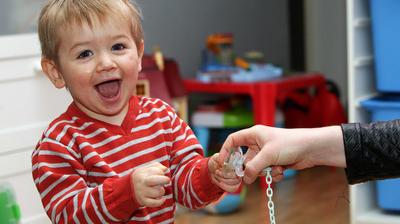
264,95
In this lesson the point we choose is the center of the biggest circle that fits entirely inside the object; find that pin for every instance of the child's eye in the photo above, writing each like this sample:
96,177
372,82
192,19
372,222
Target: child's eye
118,47
85,54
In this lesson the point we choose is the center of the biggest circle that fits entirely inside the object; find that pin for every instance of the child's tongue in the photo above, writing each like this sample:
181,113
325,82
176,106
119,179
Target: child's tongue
108,89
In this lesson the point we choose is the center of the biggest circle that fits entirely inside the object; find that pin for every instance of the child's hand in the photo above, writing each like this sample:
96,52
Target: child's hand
227,181
149,184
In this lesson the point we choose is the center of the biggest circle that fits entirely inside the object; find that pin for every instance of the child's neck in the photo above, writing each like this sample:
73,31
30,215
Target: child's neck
114,119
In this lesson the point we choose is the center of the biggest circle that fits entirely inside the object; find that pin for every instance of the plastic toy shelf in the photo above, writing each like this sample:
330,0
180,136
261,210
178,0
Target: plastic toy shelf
264,94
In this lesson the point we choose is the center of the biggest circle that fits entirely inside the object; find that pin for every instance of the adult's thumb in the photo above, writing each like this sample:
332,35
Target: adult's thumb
254,167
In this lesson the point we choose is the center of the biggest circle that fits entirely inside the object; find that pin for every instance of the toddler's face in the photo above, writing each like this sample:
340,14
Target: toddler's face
100,66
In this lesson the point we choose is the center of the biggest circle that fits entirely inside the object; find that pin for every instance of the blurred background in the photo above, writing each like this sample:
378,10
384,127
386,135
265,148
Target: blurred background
313,46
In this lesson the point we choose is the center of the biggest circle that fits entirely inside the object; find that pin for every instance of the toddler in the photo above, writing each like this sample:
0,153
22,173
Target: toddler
113,157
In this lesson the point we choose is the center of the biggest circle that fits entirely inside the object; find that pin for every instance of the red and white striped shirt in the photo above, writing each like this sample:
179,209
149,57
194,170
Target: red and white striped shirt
81,165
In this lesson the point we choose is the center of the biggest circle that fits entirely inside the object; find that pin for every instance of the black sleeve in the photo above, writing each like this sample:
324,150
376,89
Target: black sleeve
372,150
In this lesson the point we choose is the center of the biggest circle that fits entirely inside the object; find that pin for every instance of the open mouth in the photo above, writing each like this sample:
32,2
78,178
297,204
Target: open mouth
109,89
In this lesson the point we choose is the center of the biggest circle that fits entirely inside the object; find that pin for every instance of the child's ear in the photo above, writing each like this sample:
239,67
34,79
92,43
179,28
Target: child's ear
49,68
140,50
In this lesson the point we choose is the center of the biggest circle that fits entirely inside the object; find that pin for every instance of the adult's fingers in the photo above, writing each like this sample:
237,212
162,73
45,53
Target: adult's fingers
245,137
251,153
254,166
276,173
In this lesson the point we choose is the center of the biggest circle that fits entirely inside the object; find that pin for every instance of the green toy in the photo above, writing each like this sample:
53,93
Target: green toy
9,209
238,117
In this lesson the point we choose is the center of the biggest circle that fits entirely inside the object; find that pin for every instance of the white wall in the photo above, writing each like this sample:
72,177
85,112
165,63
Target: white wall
180,26
326,40
28,102
19,16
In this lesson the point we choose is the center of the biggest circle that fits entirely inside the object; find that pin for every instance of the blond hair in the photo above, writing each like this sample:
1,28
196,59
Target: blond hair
57,15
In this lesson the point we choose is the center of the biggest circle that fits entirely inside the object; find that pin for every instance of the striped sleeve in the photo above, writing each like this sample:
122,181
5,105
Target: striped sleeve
191,182
61,181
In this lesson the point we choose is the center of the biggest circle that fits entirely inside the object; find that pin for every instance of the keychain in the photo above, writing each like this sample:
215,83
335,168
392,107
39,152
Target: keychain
235,163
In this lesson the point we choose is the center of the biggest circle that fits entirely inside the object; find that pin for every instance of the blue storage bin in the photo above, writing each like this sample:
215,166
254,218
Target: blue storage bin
385,16
382,109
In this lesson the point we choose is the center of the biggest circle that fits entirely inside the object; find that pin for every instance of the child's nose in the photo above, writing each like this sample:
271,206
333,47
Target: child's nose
105,62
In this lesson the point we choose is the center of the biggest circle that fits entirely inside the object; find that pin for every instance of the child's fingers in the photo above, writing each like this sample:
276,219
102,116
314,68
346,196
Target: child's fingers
277,170
155,192
214,179
222,174
227,177
234,181
157,180
215,156
213,163
151,202
228,187
277,178
157,168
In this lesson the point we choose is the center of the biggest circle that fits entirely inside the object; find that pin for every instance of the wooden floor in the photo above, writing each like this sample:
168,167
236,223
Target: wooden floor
317,195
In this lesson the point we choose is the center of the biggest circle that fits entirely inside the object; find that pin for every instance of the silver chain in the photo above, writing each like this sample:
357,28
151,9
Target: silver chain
268,180
234,163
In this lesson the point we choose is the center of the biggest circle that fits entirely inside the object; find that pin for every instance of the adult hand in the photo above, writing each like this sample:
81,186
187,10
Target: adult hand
286,148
